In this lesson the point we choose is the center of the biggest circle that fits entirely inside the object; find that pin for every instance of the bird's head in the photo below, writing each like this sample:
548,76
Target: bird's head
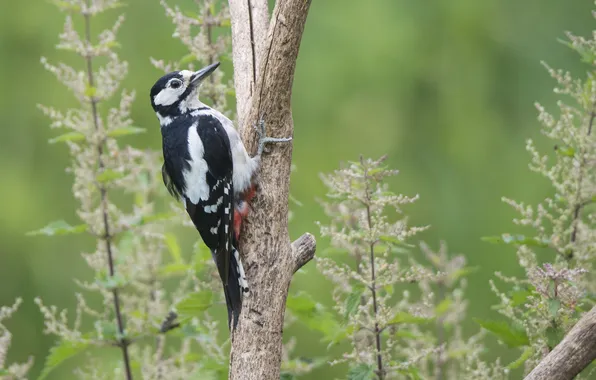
177,92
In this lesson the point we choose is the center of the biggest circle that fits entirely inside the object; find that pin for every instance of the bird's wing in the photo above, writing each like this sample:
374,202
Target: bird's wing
167,180
213,213
214,217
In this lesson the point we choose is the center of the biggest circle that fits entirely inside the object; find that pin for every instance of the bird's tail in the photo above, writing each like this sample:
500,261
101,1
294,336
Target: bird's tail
235,288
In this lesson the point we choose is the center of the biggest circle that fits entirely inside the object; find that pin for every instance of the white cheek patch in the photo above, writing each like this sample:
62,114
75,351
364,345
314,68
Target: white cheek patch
166,97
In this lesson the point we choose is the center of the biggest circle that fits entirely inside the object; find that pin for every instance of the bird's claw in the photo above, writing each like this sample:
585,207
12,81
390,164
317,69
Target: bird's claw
264,139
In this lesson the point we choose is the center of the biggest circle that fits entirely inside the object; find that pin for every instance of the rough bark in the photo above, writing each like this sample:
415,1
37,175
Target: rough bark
575,352
249,33
269,258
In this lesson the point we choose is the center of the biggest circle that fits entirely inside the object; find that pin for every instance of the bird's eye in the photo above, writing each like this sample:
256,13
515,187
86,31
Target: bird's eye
175,83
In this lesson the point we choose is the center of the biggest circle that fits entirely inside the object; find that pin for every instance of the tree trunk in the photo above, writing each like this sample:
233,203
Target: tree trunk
264,58
574,353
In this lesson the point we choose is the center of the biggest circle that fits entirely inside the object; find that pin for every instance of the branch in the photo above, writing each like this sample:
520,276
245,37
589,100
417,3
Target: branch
303,250
575,352
269,258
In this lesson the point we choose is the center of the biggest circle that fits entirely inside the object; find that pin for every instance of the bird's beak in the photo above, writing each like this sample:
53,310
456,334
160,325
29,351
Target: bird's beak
198,76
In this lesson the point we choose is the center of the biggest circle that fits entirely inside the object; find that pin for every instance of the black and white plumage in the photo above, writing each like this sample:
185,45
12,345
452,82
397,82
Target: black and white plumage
204,163
207,166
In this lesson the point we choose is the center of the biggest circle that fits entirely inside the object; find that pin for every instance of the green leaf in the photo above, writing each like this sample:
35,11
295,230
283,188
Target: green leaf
70,136
59,227
443,307
403,317
392,240
361,372
108,175
316,317
300,302
516,240
554,335
173,247
4,372
519,297
108,282
195,304
124,131
90,91
109,330
510,335
59,353
126,243
411,372
187,59
553,307
352,302
153,218
66,6
287,376
333,251
565,151
528,352
462,272
175,269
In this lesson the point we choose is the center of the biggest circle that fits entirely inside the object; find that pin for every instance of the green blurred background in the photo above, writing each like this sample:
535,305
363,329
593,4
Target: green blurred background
445,88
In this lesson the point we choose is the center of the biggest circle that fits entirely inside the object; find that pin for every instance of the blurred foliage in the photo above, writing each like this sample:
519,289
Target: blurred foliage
444,88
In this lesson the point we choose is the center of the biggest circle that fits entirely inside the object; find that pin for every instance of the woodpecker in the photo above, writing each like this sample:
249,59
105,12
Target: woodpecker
207,167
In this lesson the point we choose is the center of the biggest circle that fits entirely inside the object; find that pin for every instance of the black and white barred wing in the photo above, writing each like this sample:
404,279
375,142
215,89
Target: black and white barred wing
209,203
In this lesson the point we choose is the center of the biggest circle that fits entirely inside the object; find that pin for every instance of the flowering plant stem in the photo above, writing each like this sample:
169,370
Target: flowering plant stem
122,341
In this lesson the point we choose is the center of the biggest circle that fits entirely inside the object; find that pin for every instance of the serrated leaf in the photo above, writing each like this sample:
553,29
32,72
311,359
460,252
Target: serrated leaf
526,354
553,307
195,304
516,240
70,136
108,175
403,317
59,227
361,372
59,353
510,335
124,131
352,303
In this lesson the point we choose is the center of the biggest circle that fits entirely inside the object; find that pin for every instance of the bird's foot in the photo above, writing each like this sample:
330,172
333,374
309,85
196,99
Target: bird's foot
264,139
